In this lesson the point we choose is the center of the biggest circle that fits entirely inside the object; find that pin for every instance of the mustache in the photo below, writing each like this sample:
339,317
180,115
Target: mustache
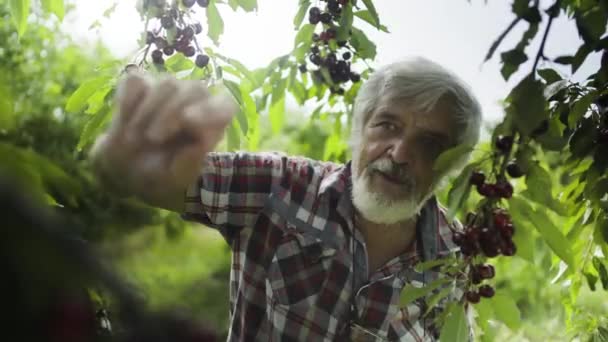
393,170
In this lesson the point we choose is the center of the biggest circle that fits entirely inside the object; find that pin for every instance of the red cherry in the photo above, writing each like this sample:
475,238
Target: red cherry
487,190
458,238
477,178
486,291
504,189
504,143
475,276
501,219
486,271
472,297
509,249
507,231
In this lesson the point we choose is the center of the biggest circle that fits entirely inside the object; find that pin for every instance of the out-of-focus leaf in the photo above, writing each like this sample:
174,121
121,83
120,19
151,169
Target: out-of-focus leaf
455,328
93,127
601,271
447,159
547,229
277,114
580,107
527,105
410,293
240,115
248,5
302,11
54,6
540,189
233,136
591,280
580,56
215,22
511,60
303,40
346,22
366,16
459,191
178,62
550,75
506,311
79,98
20,10
372,12
364,47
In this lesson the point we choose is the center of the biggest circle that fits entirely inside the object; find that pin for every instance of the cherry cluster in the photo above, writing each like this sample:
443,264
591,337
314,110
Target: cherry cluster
489,232
323,56
175,34
488,235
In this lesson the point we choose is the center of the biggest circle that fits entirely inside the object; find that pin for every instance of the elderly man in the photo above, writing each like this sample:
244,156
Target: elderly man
321,251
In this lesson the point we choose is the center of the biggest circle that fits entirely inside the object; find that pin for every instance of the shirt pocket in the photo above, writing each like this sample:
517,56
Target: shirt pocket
299,268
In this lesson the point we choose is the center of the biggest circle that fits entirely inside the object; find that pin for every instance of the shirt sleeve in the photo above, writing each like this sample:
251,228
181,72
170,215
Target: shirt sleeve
233,188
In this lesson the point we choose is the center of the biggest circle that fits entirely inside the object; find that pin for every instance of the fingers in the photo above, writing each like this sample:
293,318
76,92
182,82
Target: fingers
129,95
155,99
170,118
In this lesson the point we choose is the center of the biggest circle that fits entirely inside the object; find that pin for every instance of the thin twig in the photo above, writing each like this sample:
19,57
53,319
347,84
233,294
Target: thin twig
545,35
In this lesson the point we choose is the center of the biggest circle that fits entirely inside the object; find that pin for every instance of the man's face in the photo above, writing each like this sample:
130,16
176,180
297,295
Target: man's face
394,162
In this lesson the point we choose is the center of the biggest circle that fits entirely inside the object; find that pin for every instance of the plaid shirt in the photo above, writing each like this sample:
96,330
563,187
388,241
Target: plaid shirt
299,267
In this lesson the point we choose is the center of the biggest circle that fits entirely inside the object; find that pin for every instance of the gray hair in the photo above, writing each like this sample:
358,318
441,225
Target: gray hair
423,84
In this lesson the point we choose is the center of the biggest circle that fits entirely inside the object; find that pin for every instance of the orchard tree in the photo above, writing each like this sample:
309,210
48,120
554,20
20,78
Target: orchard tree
533,198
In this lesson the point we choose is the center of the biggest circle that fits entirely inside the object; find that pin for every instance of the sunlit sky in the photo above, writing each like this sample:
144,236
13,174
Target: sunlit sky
454,33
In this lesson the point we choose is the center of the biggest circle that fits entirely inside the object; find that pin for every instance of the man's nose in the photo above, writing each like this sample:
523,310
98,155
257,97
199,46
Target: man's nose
399,151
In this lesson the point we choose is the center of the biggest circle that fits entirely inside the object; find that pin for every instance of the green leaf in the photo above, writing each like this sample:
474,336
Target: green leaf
427,265
511,61
580,107
547,229
302,11
248,5
234,138
366,16
302,41
459,191
372,12
93,127
455,328
410,293
523,237
234,4
365,48
591,280
79,98
580,56
277,114
346,23
527,105
591,24
448,158
235,90
436,298
539,189
506,311
178,62
54,6
549,75
214,22
20,10
601,271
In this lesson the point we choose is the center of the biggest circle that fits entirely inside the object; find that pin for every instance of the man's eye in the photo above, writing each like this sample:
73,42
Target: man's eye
387,126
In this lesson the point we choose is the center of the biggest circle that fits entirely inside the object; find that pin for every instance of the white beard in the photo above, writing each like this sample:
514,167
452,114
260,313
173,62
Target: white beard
376,208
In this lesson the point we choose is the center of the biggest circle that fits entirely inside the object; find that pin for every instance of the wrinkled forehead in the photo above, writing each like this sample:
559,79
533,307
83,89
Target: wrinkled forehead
440,116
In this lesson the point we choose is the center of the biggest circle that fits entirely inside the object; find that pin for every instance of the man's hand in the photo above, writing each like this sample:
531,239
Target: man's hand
159,138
